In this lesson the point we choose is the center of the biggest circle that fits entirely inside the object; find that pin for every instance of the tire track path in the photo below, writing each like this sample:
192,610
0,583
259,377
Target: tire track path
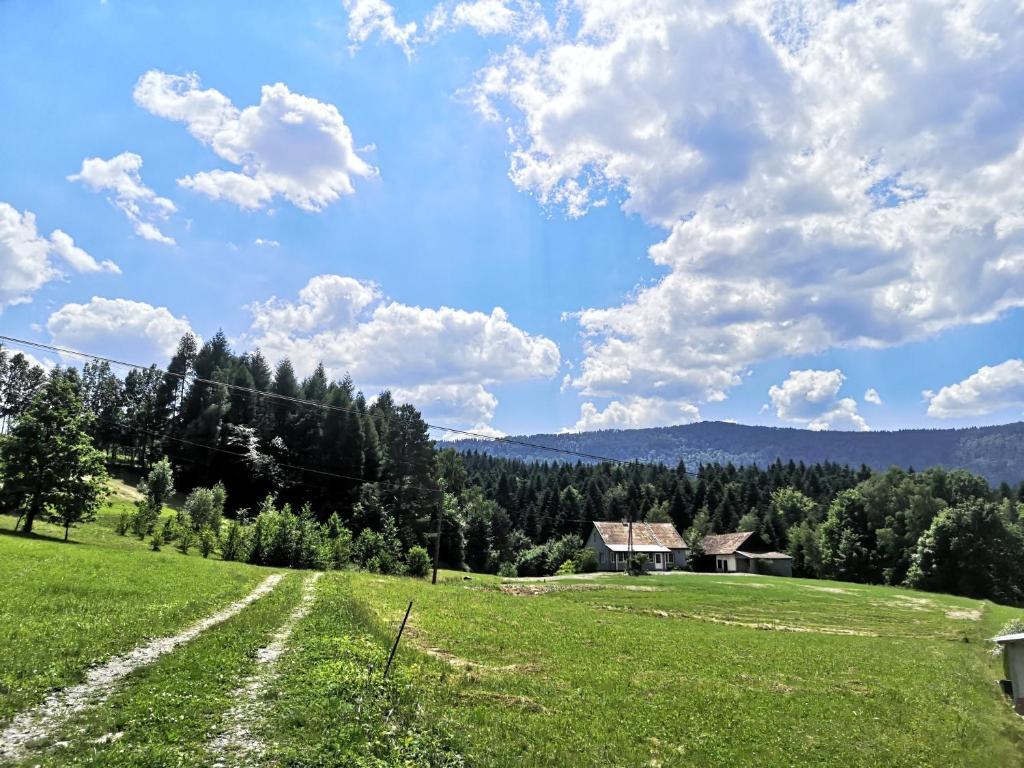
236,745
42,720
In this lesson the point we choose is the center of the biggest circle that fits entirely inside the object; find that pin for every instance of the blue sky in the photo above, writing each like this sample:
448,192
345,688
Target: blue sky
752,211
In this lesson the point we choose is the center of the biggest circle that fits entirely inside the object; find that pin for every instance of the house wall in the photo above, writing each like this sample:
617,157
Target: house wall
605,557
773,567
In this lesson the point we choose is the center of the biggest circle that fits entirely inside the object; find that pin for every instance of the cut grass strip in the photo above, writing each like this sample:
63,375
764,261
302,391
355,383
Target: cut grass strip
165,714
237,744
67,606
40,721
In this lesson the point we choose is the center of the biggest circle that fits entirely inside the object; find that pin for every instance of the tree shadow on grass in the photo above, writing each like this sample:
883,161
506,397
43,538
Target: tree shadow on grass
36,536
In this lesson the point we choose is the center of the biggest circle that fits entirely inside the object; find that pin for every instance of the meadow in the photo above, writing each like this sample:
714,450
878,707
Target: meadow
666,670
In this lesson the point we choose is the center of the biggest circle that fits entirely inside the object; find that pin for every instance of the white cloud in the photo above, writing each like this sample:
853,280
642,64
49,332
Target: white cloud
369,17
26,262
812,398
488,17
828,176
445,357
872,396
634,413
990,389
266,243
450,405
121,175
124,329
288,145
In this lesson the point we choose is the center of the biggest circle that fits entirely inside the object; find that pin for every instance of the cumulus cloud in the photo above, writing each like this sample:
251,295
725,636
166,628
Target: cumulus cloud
451,405
266,243
634,413
872,396
121,176
827,176
444,358
367,18
288,145
523,20
812,398
990,389
26,256
120,327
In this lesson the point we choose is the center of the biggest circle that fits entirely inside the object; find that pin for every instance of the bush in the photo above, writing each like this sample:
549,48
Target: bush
568,568
207,541
205,507
124,524
507,570
236,543
417,562
562,549
533,562
167,531
155,542
638,564
186,538
586,560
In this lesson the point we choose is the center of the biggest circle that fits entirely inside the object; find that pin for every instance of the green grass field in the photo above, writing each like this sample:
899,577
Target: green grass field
681,669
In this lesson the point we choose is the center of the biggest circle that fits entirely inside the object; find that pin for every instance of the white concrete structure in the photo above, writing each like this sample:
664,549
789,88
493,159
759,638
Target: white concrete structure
1013,663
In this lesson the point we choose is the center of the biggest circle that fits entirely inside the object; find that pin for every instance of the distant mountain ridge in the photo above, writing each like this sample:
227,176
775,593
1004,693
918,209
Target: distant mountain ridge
996,453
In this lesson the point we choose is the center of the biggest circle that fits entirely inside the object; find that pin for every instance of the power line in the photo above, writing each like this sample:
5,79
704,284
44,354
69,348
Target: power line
313,403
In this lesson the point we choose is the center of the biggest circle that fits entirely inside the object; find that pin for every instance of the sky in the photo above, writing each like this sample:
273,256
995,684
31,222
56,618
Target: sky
527,217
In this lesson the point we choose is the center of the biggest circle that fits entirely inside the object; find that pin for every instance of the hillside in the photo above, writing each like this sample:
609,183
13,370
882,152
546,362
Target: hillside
157,658
996,453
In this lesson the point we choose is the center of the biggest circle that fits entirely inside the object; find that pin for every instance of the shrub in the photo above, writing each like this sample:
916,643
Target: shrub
566,569
417,562
124,524
205,507
155,542
638,564
533,562
586,560
562,549
507,570
207,541
341,549
186,538
235,545
167,530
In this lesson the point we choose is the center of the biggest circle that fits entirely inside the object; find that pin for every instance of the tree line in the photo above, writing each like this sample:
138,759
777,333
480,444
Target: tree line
342,480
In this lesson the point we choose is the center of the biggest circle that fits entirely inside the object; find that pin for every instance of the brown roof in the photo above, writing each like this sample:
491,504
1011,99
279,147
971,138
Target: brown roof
658,534
725,543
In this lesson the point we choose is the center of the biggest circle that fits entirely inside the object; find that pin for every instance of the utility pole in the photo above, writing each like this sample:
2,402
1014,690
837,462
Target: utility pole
437,535
629,543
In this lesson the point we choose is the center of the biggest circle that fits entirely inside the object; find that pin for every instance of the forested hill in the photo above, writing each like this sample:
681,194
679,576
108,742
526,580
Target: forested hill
996,453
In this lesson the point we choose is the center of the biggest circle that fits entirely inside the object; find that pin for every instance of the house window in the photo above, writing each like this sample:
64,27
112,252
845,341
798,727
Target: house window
723,565
669,558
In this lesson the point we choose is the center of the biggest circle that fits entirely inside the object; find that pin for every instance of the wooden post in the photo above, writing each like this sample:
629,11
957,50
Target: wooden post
394,647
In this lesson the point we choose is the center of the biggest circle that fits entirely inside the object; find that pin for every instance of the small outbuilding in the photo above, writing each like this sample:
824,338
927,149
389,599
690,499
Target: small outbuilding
1013,664
742,552
660,542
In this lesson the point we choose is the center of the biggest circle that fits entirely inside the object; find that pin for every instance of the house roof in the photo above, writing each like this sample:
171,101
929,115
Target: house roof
661,535
765,555
1002,639
725,543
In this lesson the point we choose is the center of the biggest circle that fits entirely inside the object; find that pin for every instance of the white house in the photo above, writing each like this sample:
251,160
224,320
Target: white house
660,542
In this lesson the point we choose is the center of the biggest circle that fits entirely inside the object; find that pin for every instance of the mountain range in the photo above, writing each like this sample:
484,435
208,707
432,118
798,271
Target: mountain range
996,452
